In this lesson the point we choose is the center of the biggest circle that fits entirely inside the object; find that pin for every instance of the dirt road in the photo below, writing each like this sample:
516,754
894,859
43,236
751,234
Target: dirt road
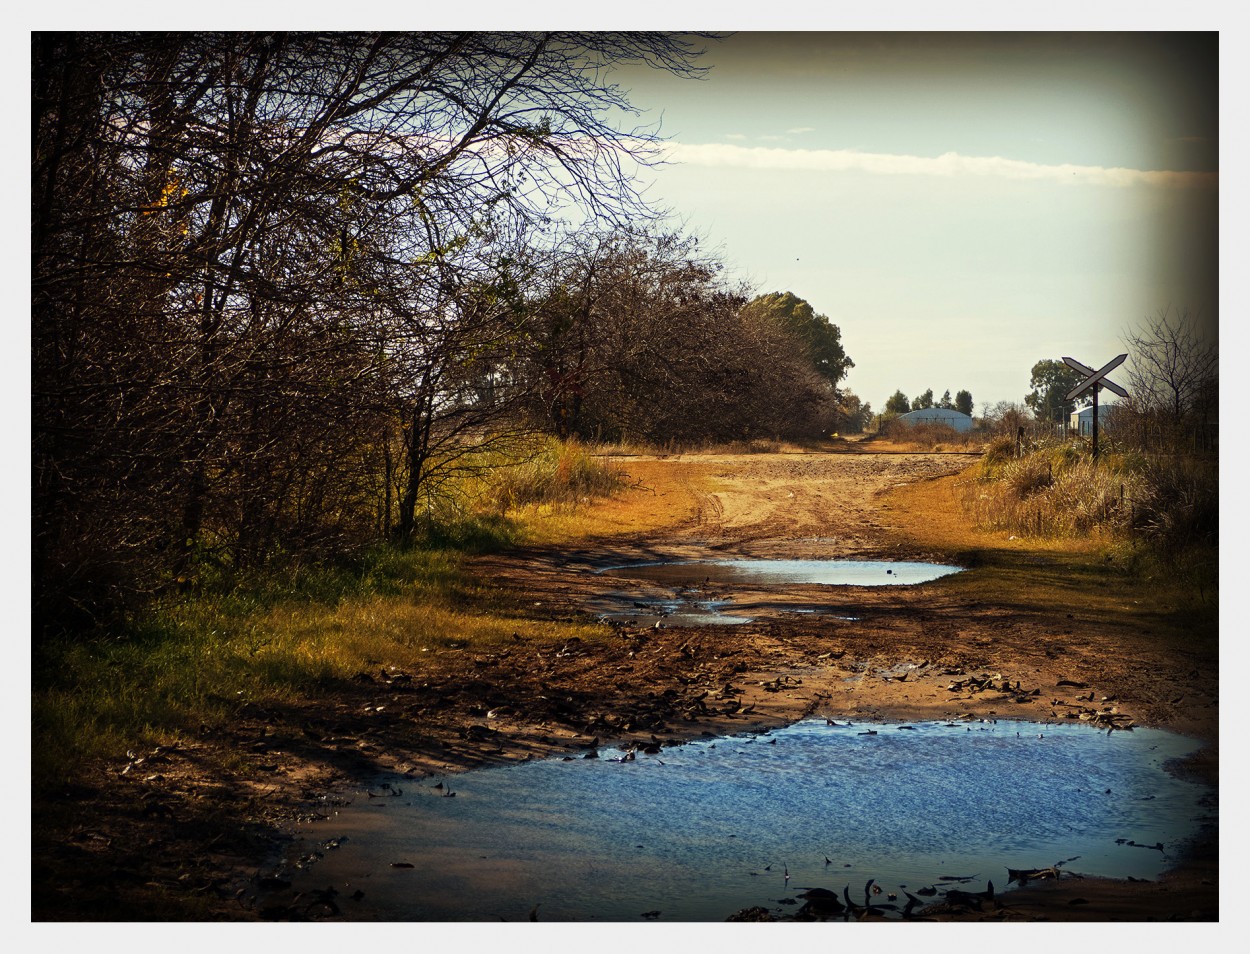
823,506
1014,650
776,504
1006,652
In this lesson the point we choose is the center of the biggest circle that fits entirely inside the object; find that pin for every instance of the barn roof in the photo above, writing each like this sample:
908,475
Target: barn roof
935,414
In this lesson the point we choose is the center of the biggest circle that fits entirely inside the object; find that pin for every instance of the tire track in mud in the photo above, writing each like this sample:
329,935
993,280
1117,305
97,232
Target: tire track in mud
779,506
766,505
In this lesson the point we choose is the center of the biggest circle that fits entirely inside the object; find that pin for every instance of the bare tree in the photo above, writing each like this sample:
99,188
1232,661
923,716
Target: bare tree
248,249
636,336
1173,368
1006,418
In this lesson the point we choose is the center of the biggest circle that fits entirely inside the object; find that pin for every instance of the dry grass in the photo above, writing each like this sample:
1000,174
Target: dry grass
555,474
193,659
1092,576
1057,492
711,449
930,515
1052,529
929,438
1168,504
654,494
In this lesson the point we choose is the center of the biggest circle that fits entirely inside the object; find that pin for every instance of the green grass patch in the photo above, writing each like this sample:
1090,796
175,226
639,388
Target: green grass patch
192,659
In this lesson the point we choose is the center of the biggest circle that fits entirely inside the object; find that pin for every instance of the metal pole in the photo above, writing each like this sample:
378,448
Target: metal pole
1096,422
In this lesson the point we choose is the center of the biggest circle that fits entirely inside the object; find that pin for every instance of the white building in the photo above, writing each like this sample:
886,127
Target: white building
938,415
1082,421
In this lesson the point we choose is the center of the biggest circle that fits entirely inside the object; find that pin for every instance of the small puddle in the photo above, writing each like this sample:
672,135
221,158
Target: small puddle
691,579
647,611
780,572
698,831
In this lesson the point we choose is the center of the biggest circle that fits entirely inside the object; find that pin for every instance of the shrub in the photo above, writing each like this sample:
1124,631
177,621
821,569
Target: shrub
1176,503
998,452
1167,503
933,437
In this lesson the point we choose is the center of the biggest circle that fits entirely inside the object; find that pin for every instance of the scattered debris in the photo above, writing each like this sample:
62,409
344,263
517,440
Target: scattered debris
1025,875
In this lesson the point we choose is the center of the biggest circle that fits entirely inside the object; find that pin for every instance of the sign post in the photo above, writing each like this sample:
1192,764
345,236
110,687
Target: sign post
1095,381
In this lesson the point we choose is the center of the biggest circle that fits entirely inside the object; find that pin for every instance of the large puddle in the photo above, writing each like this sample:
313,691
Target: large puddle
698,831
703,591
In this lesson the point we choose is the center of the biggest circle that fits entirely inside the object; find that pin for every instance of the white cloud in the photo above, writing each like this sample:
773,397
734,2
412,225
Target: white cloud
947,165
801,129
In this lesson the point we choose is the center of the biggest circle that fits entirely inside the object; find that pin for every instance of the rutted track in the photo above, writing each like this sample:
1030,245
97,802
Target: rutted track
132,832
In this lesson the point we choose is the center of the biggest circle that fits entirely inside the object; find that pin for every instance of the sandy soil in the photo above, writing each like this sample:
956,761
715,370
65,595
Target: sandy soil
120,844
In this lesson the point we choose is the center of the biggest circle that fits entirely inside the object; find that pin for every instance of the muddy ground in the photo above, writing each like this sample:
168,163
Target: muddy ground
170,834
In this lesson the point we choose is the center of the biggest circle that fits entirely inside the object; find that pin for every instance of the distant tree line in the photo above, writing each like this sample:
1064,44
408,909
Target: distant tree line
898,403
286,286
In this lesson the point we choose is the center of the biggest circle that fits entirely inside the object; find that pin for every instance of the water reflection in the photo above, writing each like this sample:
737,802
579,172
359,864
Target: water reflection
693,581
699,831
774,572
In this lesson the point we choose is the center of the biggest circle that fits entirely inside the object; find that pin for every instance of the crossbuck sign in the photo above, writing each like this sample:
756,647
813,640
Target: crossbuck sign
1095,381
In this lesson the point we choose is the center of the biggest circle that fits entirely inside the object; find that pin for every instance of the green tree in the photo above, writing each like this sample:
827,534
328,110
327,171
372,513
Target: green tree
946,400
821,338
1051,379
853,414
923,401
897,403
963,402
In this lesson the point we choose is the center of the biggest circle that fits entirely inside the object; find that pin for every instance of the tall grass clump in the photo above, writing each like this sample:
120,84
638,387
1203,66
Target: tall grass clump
1055,491
1176,504
1158,512
556,474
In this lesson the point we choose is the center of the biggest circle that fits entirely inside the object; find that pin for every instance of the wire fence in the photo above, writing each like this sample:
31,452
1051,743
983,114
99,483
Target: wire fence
1120,430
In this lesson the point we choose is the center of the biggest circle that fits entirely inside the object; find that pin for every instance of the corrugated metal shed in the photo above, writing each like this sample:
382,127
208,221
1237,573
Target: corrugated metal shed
1082,421
938,415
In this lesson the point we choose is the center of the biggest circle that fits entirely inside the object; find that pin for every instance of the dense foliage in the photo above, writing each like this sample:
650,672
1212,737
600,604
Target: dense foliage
821,339
287,289
897,403
635,337
1049,382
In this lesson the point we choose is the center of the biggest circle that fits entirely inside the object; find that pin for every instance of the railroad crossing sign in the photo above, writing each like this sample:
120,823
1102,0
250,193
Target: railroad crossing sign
1094,382
1095,379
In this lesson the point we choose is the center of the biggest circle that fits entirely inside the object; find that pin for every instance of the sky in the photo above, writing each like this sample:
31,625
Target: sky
960,205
